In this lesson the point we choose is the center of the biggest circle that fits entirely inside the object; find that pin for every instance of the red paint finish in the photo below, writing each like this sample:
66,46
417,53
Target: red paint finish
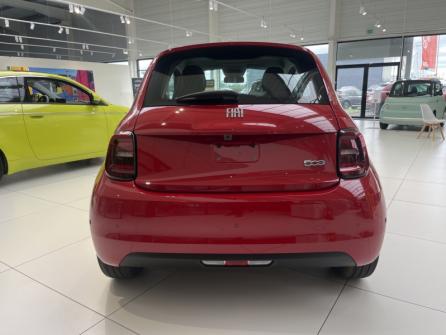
195,193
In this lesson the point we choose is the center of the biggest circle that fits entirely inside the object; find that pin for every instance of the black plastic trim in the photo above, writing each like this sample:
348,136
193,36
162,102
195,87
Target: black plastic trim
318,259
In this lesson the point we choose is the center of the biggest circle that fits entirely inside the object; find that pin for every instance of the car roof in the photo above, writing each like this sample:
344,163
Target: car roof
415,80
43,75
237,43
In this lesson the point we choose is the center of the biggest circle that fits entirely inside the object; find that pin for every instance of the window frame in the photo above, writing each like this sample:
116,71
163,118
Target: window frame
25,85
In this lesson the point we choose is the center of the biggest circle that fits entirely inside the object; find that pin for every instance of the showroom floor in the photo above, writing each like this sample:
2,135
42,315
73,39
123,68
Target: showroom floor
50,282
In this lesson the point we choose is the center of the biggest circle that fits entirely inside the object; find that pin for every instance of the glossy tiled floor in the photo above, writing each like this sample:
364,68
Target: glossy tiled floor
50,282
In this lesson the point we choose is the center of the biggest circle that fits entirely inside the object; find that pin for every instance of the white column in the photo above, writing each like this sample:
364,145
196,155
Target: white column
213,25
131,33
333,38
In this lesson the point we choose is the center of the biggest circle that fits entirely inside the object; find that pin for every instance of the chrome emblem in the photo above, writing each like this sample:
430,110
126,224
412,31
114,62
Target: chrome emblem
234,112
311,163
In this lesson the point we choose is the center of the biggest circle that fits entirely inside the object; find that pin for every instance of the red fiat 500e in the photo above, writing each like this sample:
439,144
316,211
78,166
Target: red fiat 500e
237,154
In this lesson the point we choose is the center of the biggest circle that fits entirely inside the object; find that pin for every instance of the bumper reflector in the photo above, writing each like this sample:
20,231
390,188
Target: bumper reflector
237,262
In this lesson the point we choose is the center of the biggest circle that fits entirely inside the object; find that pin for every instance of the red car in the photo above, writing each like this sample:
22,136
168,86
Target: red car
237,154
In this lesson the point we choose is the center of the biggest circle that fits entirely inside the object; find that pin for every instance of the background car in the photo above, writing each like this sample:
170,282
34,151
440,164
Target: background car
221,177
350,96
402,107
48,119
376,96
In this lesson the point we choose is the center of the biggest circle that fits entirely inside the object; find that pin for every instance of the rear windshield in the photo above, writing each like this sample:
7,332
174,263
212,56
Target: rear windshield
241,74
413,88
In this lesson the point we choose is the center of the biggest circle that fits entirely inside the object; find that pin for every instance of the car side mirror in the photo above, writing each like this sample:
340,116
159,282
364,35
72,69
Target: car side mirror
95,100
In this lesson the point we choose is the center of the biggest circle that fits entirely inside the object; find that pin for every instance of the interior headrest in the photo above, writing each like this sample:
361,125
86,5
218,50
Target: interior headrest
274,85
191,80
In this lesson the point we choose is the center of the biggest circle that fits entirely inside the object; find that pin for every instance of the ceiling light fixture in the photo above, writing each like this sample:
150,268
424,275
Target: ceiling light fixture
188,33
71,8
67,31
22,47
384,30
378,24
60,30
127,20
20,39
122,19
302,38
293,35
140,54
213,5
6,23
362,10
32,25
16,38
81,51
263,23
82,10
125,51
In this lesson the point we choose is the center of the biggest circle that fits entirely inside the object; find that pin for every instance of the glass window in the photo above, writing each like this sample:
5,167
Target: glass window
438,89
369,51
143,65
424,57
412,88
120,63
418,88
321,51
397,89
9,90
244,75
45,90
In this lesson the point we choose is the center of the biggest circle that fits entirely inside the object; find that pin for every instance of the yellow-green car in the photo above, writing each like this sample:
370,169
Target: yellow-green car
48,119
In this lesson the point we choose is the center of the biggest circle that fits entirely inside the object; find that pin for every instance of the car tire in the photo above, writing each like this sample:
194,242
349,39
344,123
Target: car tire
119,272
357,272
383,125
346,104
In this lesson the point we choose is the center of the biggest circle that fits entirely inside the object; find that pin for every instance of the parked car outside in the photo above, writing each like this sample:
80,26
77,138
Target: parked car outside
402,107
47,119
219,177
376,96
350,96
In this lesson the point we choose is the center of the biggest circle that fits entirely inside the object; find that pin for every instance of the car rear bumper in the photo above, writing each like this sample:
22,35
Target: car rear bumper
131,226
322,259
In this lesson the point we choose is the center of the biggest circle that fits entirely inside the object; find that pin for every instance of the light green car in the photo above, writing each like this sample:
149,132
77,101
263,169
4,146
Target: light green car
402,106
48,119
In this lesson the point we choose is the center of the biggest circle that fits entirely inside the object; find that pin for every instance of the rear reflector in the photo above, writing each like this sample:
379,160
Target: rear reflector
120,163
237,262
353,160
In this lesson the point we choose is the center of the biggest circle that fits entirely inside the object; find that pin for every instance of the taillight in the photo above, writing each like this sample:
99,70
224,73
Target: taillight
353,161
120,163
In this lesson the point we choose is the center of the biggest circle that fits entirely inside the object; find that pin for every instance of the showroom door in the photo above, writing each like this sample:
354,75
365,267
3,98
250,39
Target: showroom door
363,88
61,121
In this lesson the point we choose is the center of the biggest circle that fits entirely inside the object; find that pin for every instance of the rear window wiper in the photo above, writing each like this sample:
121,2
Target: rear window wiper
210,96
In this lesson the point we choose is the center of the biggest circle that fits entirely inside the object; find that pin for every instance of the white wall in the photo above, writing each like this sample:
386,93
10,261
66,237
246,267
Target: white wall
112,82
